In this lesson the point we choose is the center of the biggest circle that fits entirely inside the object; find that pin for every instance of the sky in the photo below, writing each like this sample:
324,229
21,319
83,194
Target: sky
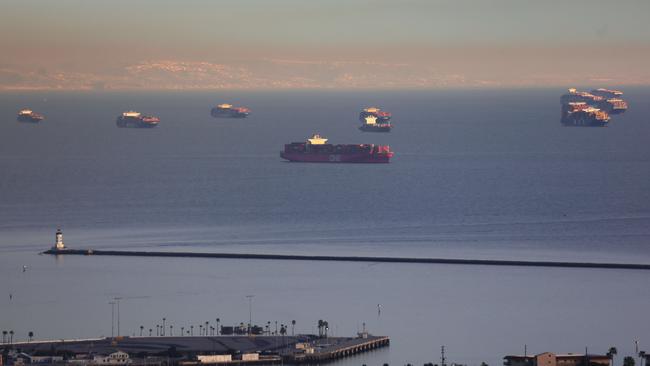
332,44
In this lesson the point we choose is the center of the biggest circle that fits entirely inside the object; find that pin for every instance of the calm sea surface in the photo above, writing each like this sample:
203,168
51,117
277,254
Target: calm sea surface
477,174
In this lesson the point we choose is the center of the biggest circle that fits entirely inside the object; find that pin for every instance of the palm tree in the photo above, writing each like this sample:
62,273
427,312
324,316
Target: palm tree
4,336
150,330
157,330
182,330
611,353
642,356
162,330
191,330
141,330
11,337
218,320
200,329
293,325
31,335
171,330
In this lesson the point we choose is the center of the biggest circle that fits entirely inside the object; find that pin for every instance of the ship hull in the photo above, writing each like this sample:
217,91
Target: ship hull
216,113
134,123
364,158
29,119
369,128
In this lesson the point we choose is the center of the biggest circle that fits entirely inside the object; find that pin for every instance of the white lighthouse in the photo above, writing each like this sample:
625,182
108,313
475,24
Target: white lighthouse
58,244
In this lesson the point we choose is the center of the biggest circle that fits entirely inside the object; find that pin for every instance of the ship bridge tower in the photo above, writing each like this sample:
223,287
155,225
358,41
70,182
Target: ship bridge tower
58,243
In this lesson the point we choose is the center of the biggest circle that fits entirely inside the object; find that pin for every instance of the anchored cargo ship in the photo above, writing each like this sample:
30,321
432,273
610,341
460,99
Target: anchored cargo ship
371,125
27,115
317,150
604,99
136,120
582,114
228,111
382,117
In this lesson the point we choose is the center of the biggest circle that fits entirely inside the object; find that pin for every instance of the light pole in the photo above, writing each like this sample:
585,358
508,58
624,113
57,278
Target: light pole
250,312
112,318
117,300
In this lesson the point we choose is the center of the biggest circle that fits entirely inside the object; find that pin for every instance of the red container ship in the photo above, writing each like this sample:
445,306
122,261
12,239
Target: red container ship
228,111
136,120
317,150
372,125
382,117
27,115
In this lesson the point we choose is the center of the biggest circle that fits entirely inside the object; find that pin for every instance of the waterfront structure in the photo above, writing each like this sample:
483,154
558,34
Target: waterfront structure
552,359
115,358
181,350
58,240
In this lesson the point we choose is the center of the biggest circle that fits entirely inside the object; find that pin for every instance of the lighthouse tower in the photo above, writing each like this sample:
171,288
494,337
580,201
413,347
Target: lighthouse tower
58,244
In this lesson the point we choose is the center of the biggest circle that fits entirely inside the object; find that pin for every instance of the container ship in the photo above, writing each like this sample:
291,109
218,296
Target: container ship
582,114
228,111
317,150
604,99
136,120
371,125
382,117
27,115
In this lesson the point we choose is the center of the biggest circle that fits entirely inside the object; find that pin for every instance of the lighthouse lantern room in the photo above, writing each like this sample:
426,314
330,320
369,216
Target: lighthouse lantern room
58,245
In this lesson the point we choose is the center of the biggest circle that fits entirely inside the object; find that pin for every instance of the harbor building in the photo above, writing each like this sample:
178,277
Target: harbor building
552,359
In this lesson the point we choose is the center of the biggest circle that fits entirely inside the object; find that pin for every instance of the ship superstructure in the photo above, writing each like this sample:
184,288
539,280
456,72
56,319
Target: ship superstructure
136,120
28,115
371,124
229,111
317,150
382,116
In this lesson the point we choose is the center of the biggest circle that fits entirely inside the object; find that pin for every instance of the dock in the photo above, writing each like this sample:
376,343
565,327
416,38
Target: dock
455,261
210,350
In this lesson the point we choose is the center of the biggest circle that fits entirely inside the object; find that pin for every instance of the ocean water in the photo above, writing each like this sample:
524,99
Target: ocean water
477,174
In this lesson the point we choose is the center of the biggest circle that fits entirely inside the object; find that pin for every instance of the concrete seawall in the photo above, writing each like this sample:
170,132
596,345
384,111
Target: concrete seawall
484,262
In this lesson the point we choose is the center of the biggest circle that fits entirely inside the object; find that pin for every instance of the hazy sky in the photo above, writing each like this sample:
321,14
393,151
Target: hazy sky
156,44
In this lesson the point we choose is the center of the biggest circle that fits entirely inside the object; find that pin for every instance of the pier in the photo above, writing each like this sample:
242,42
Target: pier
483,262
209,350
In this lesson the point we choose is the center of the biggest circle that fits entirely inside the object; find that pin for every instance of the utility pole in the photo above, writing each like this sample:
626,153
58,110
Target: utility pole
250,313
112,318
117,299
443,360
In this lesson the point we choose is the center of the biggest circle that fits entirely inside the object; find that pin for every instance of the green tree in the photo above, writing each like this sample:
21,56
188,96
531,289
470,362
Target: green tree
628,361
611,353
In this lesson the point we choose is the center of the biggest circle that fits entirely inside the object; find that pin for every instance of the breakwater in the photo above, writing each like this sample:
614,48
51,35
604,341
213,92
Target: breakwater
484,262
